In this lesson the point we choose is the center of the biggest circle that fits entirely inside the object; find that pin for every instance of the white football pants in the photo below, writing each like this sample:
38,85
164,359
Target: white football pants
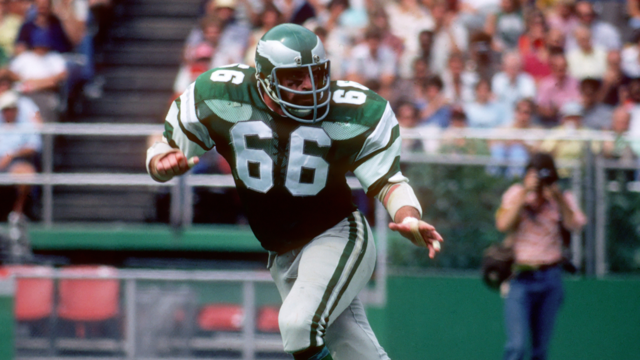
319,283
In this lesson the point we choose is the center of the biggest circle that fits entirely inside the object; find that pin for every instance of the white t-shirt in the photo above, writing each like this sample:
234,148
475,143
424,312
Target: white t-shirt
363,64
631,62
583,65
29,66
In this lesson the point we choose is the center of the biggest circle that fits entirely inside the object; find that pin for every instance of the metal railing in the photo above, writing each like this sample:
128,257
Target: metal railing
182,196
248,343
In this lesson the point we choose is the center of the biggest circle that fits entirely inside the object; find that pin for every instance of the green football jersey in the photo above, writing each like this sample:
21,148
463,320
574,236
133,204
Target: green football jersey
291,176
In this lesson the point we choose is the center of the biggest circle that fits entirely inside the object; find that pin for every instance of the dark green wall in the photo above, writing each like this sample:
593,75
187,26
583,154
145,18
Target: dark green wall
453,318
6,327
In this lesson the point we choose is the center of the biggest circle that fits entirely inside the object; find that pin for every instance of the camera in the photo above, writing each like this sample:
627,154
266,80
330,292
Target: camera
546,177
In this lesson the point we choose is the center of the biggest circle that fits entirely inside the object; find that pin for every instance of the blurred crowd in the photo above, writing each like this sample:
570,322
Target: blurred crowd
443,64
448,64
47,52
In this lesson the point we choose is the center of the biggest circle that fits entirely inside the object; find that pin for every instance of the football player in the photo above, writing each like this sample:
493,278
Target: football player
291,135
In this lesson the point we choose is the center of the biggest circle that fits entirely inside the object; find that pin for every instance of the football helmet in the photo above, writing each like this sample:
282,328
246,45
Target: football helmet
290,53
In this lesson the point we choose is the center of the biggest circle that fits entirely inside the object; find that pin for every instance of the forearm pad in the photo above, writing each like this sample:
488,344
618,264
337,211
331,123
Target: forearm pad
401,195
158,148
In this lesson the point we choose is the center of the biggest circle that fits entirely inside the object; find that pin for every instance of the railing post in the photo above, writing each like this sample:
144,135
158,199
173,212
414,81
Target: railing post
589,211
382,218
577,249
601,218
130,318
47,189
177,203
187,209
248,326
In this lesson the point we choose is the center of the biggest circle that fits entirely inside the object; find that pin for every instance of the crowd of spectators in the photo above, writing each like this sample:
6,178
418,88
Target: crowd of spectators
447,64
47,50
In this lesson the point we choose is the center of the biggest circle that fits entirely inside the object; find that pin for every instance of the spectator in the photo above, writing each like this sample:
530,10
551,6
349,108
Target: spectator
223,53
482,59
295,11
485,112
473,13
587,60
631,59
434,108
515,151
46,24
338,38
536,63
459,83
533,38
17,150
373,62
596,115
234,34
571,120
620,148
407,115
406,20
555,90
199,62
506,25
269,18
450,37
532,214
380,20
633,10
412,89
40,72
605,35
563,16
9,26
426,45
615,83
27,109
453,143
512,84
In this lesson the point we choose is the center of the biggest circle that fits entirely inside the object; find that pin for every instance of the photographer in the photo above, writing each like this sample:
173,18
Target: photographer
533,214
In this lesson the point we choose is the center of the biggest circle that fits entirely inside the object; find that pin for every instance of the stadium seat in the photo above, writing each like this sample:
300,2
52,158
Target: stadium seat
221,317
268,319
34,297
88,299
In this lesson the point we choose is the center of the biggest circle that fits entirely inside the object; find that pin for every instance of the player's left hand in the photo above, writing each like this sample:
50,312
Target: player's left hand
420,233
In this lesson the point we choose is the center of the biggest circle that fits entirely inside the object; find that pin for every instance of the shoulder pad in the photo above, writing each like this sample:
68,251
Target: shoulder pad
354,110
234,82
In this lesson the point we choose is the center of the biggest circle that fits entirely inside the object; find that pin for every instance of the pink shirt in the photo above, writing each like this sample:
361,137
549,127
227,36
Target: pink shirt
552,93
537,239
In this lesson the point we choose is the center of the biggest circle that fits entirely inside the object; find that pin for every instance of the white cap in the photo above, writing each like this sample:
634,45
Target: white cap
8,99
225,4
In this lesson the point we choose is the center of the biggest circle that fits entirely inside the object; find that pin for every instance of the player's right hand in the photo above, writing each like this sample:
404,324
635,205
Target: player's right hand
172,164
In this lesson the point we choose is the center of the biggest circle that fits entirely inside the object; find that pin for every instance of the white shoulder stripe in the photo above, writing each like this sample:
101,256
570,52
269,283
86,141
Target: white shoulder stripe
188,147
378,166
189,118
381,136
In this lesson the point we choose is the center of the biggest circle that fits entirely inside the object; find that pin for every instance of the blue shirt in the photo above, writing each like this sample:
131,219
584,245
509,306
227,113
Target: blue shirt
489,115
57,36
